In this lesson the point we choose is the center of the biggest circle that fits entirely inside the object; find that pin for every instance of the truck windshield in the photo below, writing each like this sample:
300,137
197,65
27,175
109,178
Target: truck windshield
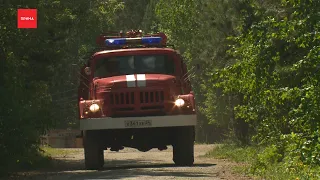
139,64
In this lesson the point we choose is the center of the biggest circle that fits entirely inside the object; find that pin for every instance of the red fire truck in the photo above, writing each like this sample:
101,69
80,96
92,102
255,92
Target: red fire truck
135,92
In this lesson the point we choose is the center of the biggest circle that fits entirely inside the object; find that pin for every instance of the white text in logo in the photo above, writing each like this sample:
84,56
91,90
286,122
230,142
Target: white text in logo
27,18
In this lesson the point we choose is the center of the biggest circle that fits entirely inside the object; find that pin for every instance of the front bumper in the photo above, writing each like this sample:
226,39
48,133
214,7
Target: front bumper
138,122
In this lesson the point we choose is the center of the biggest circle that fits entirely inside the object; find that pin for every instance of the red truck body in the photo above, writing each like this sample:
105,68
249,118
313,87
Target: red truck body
136,96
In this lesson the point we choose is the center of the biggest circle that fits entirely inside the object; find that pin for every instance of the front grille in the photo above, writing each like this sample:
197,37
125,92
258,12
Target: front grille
128,98
119,98
152,107
151,97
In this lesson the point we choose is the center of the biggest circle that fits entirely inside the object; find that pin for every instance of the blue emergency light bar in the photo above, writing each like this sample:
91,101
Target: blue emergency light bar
151,40
117,41
124,41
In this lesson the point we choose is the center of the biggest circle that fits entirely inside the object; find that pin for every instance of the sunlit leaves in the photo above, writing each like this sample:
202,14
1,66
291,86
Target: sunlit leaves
36,64
280,53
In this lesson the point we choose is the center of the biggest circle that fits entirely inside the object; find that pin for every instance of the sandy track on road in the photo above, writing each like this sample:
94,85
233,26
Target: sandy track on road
132,164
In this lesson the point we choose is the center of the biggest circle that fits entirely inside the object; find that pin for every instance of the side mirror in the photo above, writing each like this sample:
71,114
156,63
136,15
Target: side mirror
87,70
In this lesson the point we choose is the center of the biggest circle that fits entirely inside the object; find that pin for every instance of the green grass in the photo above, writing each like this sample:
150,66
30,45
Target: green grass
31,160
56,152
232,152
36,160
43,158
200,143
259,163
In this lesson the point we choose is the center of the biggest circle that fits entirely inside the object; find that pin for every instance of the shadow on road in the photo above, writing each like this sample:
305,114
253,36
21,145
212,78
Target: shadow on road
146,166
116,169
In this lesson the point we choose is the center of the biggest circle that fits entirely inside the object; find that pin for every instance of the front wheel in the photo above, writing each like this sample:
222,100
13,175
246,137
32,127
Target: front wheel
93,153
183,146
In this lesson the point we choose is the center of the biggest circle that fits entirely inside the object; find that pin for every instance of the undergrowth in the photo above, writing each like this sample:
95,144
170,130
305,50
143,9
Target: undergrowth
53,152
264,163
35,159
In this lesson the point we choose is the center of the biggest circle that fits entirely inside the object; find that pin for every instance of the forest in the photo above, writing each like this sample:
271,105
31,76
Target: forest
258,85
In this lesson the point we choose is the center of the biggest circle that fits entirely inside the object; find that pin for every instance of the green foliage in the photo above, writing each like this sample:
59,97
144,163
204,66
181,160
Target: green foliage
274,51
277,72
38,81
259,82
263,162
200,29
233,152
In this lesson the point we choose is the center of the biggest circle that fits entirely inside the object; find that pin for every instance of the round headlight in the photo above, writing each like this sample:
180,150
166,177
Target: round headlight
179,102
94,108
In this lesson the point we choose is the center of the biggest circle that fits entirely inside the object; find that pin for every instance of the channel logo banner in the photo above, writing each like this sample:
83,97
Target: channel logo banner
27,18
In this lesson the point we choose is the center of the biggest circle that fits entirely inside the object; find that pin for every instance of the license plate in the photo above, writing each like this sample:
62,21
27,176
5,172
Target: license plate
138,123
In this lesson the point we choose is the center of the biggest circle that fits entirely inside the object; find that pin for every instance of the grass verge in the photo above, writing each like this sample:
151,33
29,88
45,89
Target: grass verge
56,152
261,163
34,160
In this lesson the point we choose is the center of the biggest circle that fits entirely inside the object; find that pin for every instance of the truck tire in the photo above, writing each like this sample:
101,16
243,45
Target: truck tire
183,147
93,153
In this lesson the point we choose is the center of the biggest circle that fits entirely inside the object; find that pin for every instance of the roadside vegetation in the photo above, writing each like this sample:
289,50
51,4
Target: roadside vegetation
260,80
258,84
261,163
58,152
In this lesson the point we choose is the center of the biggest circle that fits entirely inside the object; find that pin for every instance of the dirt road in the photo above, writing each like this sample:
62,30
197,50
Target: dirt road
132,164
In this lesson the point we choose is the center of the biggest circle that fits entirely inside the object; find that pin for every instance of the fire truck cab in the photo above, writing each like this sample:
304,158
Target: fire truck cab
135,92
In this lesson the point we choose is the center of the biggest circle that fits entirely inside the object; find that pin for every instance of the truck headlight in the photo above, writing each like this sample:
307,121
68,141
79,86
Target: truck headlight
179,102
94,108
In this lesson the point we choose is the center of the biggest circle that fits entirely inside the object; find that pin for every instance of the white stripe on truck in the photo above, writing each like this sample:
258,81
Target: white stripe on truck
131,81
141,80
